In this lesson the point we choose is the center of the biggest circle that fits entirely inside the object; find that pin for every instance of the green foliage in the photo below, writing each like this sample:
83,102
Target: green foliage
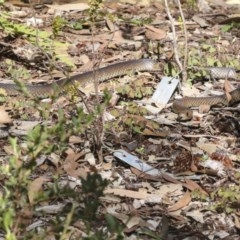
38,37
15,191
234,26
92,190
77,25
114,226
15,200
225,197
140,150
133,108
192,5
205,56
44,140
134,91
17,174
197,194
57,25
94,9
131,119
139,21
227,27
16,72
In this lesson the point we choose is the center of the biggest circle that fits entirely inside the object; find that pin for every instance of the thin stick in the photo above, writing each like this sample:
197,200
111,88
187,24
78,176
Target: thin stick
174,36
185,42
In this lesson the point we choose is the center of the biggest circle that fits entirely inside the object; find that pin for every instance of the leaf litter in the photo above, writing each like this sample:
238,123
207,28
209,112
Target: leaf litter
198,160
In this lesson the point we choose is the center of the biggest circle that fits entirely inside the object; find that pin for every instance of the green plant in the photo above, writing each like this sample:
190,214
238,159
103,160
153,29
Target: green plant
57,24
16,72
18,200
225,197
140,150
232,26
94,9
192,5
37,37
135,90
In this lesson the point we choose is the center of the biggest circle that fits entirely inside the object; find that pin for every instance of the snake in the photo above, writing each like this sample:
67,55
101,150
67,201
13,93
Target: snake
82,79
180,106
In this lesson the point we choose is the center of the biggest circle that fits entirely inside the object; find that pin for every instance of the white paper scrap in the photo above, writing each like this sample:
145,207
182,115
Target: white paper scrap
134,161
164,91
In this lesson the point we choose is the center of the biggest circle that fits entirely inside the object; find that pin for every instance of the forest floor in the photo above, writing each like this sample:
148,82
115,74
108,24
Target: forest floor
113,160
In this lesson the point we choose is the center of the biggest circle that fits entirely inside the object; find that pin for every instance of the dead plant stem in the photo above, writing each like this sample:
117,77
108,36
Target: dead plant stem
185,60
174,37
99,131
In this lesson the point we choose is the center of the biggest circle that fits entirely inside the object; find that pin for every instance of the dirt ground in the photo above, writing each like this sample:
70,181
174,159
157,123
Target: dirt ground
154,176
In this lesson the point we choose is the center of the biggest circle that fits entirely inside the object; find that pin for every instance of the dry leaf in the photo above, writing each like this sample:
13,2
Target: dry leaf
137,2
191,185
223,158
236,221
110,25
170,189
196,215
177,216
35,188
130,221
207,147
189,91
147,132
228,89
227,86
153,33
127,193
4,117
71,166
204,108
182,202
70,7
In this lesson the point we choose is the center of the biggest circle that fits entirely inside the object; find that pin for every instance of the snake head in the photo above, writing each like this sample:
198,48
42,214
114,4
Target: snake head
187,115
182,109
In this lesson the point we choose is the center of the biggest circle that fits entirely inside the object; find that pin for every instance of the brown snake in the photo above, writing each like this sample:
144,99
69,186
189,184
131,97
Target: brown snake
182,106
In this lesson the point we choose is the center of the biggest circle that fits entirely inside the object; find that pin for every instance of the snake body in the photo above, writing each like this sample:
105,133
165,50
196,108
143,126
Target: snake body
182,106
100,75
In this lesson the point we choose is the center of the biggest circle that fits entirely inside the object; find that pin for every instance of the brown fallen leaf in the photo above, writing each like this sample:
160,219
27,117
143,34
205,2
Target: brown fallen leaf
177,216
130,221
204,108
228,89
147,132
191,185
35,188
153,33
127,193
209,148
236,221
4,117
182,202
71,166
70,6
227,86
137,2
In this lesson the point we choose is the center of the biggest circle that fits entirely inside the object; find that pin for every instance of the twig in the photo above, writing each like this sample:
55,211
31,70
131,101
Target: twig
99,131
184,73
174,40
